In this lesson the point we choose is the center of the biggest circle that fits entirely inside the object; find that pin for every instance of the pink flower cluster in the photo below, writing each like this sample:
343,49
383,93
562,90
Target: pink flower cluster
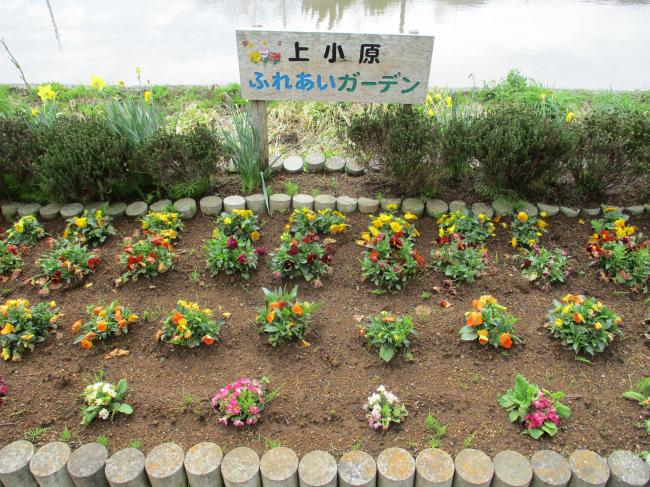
240,402
543,410
4,390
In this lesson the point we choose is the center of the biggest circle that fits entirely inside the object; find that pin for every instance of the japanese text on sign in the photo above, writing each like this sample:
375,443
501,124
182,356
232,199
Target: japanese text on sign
277,65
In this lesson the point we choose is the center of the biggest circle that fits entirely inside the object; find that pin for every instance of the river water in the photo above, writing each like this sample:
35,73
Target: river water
603,44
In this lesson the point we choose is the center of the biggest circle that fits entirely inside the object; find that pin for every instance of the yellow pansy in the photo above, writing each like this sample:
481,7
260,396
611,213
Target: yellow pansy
395,227
19,226
410,216
522,216
365,236
559,322
392,206
598,325
8,328
227,220
513,242
81,222
374,231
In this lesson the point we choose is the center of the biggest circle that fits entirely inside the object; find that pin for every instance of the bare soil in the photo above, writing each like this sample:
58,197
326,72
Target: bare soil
322,388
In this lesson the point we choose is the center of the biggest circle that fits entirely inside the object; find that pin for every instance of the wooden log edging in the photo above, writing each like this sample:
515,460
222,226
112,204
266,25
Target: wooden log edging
167,465
280,203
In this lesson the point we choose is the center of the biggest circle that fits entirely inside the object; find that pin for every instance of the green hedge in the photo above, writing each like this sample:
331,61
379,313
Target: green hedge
82,159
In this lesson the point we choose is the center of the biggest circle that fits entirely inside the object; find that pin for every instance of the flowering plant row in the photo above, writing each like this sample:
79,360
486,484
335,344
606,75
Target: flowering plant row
383,408
190,326
302,256
166,223
65,263
583,323
104,400
147,257
537,411
526,230
92,228
240,224
303,221
489,322
113,319
26,231
283,317
23,326
240,403
388,332
225,253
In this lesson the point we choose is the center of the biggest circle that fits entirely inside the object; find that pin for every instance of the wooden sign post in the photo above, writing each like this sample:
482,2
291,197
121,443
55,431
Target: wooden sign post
330,66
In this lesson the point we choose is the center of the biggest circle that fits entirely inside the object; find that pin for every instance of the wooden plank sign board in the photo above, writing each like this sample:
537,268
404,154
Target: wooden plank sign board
330,66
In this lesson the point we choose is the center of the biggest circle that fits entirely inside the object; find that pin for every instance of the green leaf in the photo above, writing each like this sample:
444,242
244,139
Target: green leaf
121,388
123,408
635,396
550,428
522,388
468,337
535,434
386,353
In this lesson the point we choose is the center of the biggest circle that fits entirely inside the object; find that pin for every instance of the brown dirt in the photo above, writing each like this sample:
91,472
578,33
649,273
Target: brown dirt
323,387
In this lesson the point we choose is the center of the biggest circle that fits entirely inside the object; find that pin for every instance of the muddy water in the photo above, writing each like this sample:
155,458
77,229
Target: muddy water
562,43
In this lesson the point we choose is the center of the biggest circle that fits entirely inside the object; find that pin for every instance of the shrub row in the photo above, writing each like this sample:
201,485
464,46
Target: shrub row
510,150
82,159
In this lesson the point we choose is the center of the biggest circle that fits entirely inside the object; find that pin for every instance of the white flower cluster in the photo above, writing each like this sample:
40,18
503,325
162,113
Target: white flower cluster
100,394
382,408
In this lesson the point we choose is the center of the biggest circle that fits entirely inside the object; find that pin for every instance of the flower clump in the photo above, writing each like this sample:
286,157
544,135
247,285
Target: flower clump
113,319
545,267
189,325
147,257
92,228
390,258
537,411
305,256
66,263
26,231
283,317
526,230
622,255
489,322
23,326
240,224
458,261
389,332
240,403
583,323
227,253
464,226
104,400
165,223
384,408
326,221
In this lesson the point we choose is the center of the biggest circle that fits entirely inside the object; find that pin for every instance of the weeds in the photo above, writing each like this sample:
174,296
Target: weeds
35,434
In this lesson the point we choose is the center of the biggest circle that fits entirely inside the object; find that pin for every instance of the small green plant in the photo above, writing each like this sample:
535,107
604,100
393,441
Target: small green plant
66,434
186,402
436,430
389,332
102,440
26,231
137,444
271,443
134,120
104,400
291,188
383,408
460,263
641,394
226,253
544,267
356,445
464,226
242,141
34,434
468,441
303,256
92,228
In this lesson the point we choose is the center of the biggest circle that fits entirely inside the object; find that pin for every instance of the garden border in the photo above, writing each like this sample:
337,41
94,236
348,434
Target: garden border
167,465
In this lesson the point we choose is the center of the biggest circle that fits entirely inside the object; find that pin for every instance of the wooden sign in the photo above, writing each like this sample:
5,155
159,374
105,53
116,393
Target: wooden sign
330,66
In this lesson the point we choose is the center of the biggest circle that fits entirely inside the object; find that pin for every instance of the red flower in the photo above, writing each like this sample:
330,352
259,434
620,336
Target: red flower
311,257
56,276
419,258
293,250
231,243
326,259
93,262
309,238
374,255
443,240
242,258
396,242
